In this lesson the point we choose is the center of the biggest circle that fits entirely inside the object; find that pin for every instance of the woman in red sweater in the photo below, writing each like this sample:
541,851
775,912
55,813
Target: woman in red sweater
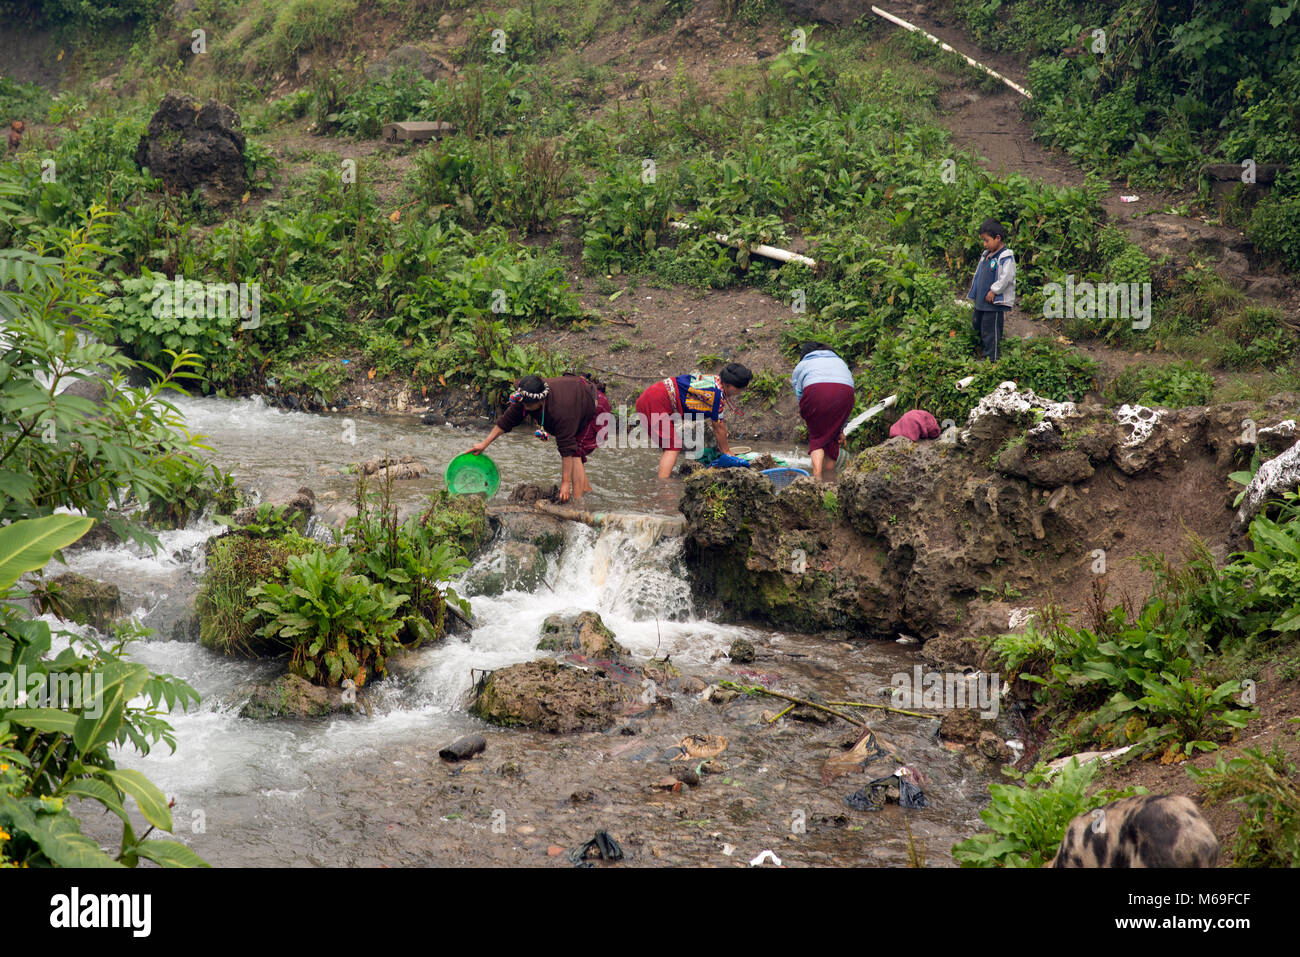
689,396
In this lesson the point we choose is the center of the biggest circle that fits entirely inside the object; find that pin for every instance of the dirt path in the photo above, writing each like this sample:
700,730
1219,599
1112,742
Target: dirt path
994,126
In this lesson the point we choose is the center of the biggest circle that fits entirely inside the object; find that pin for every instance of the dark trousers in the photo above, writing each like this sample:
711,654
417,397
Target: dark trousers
988,326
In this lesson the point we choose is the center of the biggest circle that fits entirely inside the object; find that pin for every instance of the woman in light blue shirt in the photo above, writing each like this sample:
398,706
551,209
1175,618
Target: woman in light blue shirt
823,385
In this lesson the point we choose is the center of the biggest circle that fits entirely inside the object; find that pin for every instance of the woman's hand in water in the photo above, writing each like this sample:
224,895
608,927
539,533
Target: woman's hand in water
477,449
564,491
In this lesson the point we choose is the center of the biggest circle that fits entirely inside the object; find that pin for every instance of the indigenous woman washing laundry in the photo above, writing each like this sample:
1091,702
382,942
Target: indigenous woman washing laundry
691,396
823,385
564,408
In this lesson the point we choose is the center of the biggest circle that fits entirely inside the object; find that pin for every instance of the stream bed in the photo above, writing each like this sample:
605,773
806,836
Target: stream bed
370,789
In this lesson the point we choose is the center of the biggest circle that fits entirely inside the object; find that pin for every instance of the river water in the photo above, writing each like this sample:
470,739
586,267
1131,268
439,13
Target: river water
369,790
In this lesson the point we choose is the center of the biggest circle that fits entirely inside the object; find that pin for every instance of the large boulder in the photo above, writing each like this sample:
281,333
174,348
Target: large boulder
298,508
515,566
290,696
193,146
1030,501
547,532
546,696
757,553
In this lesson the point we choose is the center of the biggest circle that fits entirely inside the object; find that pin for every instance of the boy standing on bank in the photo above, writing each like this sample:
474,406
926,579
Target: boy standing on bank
994,287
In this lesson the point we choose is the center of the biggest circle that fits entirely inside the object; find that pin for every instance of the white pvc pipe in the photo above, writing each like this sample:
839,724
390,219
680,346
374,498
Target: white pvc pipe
872,412
767,252
933,39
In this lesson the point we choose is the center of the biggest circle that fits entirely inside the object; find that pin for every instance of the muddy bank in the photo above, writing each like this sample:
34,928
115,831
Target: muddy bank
945,540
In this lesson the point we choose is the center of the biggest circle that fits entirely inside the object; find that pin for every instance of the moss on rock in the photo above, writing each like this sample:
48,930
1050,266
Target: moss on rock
585,633
236,563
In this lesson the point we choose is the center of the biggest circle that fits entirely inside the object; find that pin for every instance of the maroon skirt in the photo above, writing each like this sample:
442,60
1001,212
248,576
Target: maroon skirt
826,407
587,440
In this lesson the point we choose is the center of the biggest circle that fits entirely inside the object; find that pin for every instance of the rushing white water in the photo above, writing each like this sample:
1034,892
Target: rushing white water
628,571
627,574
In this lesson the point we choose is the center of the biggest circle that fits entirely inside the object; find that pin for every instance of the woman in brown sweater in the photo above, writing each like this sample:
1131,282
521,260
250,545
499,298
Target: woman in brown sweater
562,407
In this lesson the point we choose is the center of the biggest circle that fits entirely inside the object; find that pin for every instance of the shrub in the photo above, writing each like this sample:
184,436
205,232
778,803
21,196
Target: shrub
1027,824
522,184
59,449
623,218
62,743
148,323
1268,575
1172,386
415,558
335,625
1131,678
1262,785
405,95
1275,228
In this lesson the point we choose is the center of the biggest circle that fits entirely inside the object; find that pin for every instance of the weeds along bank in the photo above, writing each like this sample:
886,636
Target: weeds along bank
828,148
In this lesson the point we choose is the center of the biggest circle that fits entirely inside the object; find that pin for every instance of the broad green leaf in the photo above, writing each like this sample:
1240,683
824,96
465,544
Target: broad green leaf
98,791
29,544
170,854
58,837
123,680
153,803
44,719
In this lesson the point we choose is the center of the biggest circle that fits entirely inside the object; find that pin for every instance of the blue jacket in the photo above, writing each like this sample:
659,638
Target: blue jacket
996,271
820,366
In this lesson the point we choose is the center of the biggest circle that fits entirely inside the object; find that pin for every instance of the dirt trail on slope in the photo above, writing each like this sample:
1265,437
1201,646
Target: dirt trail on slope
994,126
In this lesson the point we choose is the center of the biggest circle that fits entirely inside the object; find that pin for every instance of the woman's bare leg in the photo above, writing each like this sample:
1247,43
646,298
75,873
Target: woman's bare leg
818,461
666,463
580,483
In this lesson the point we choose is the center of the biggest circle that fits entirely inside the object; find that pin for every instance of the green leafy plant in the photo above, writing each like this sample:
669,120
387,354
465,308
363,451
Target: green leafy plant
1262,785
415,558
58,745
766,387
1172,386
234,564
336,625
1027,823
60,449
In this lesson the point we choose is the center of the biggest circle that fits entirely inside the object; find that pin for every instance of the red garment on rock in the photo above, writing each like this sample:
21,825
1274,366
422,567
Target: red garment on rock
916,425
826,407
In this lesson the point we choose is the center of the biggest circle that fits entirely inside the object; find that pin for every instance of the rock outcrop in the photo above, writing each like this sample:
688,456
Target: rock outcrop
515,566
86,601
584,633
1030,501
290,696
